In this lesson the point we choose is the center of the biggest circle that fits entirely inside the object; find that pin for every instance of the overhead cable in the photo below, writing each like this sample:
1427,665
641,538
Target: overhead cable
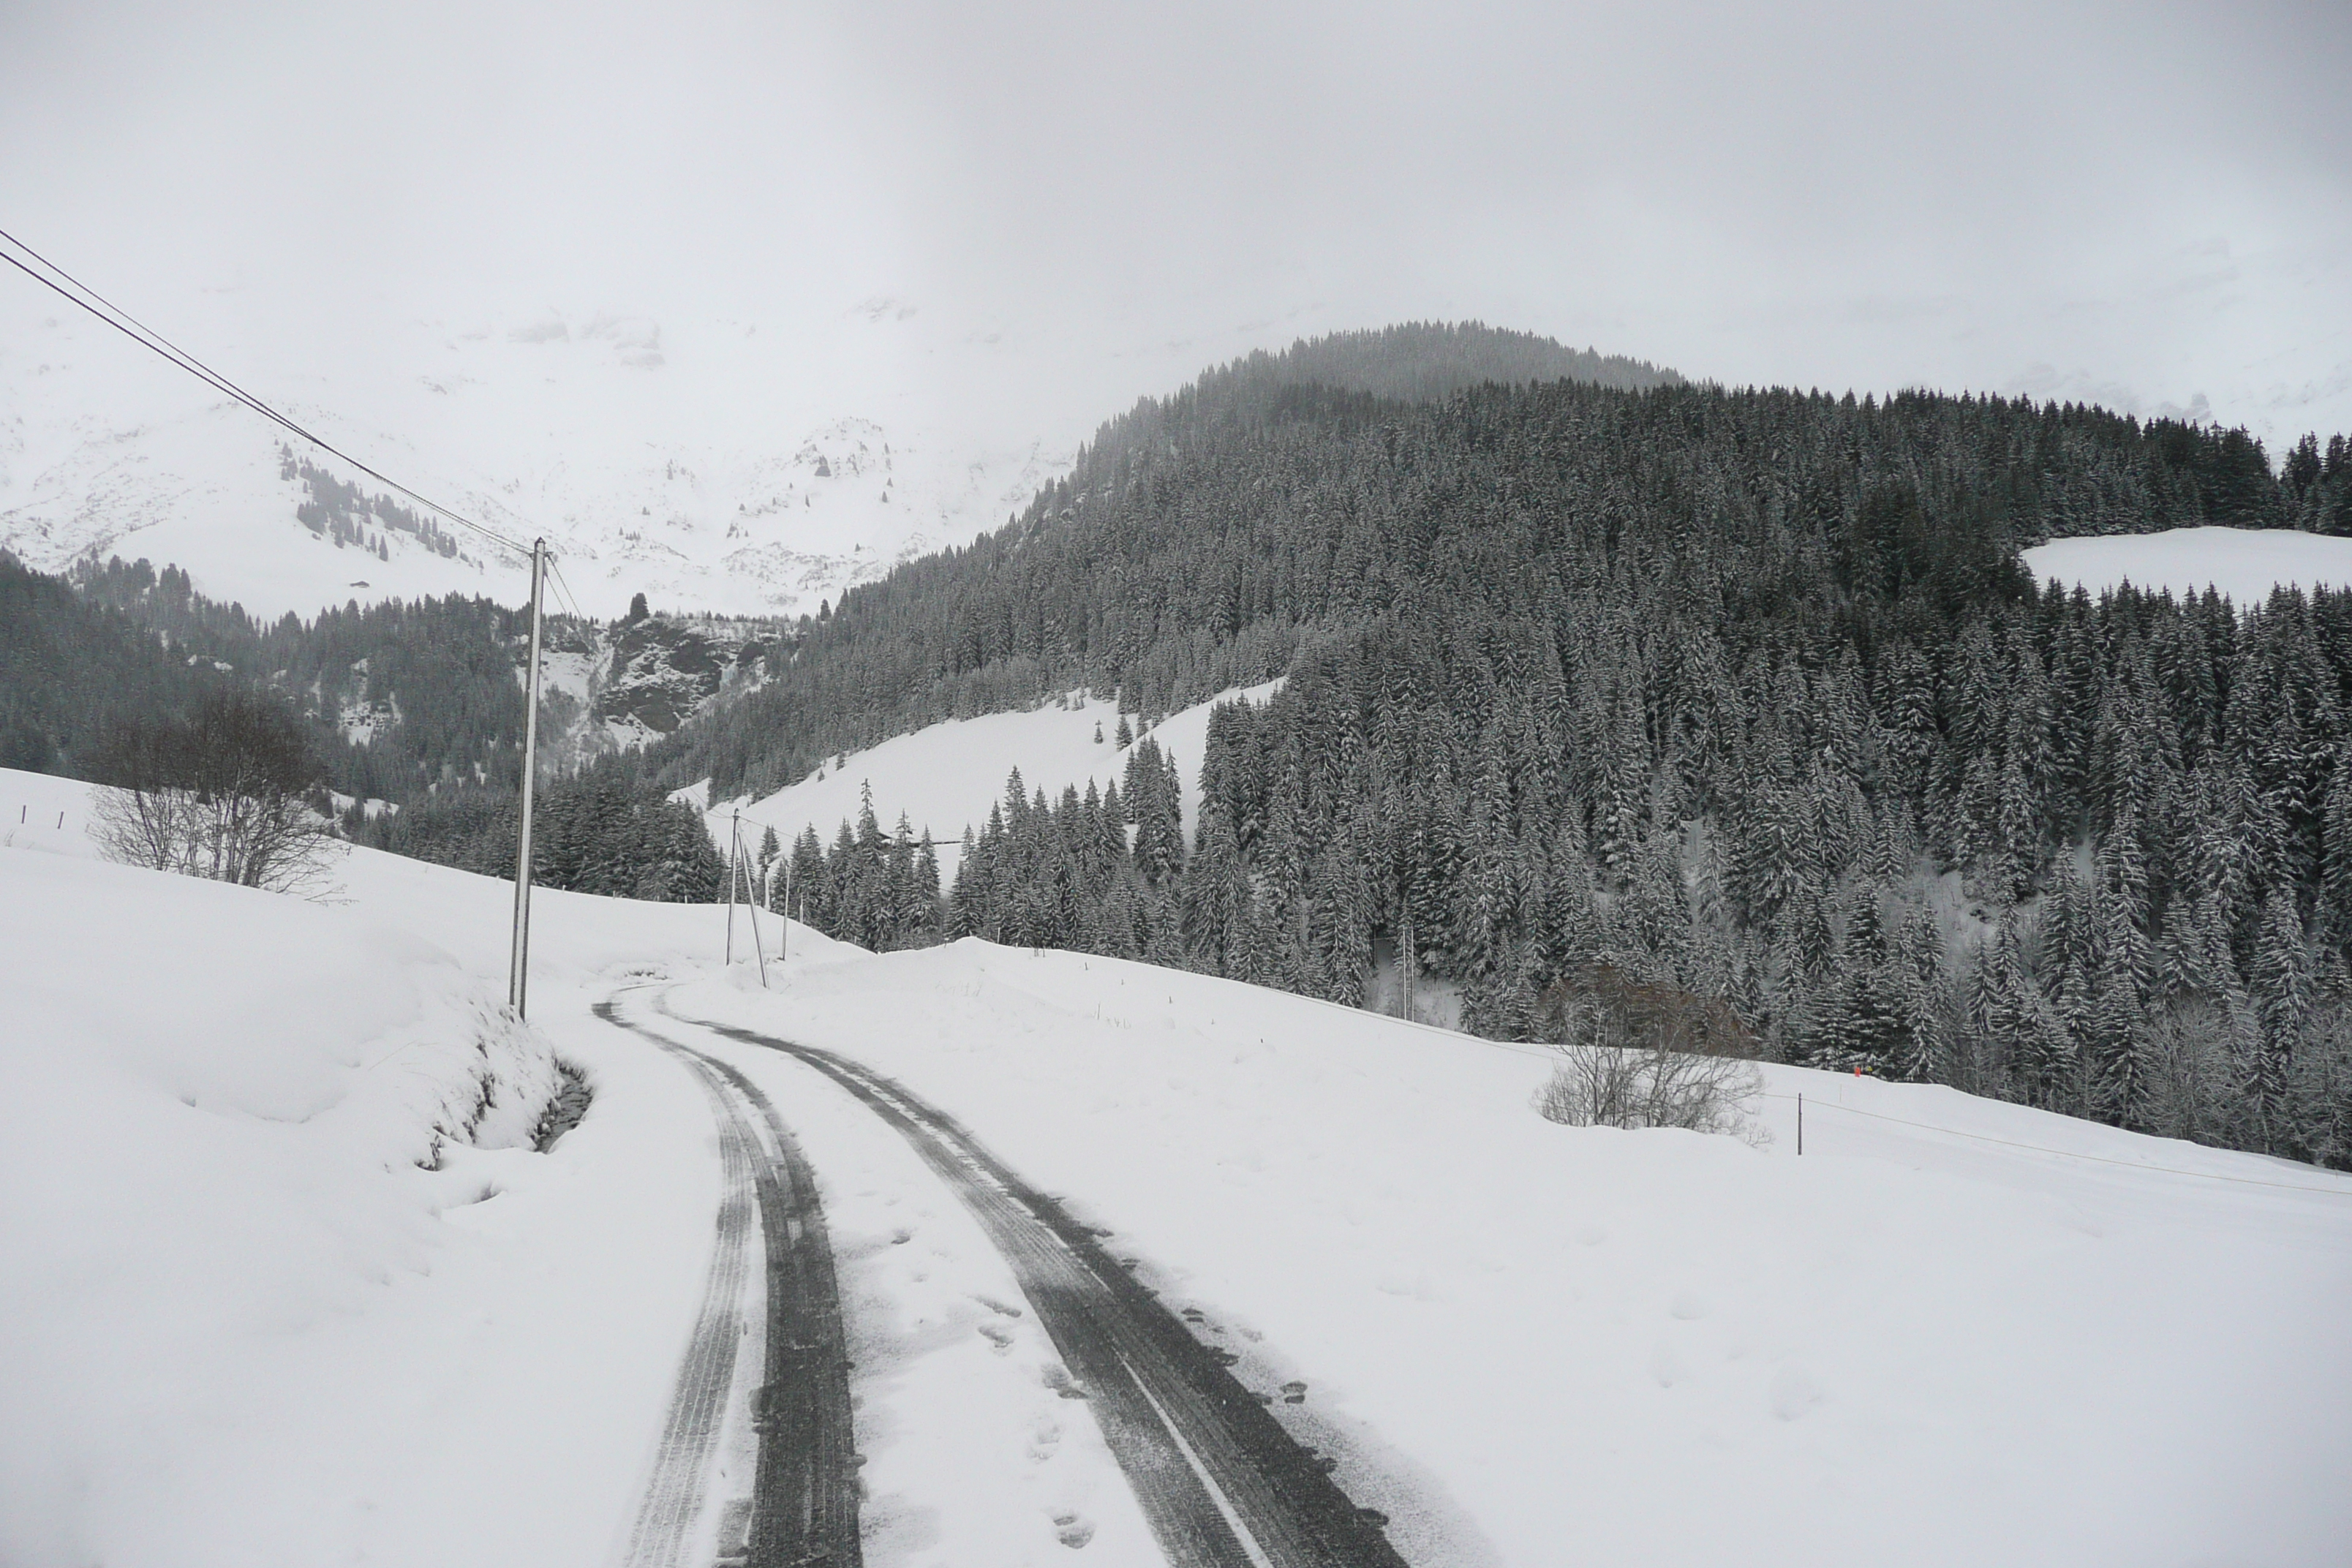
563,587
82,295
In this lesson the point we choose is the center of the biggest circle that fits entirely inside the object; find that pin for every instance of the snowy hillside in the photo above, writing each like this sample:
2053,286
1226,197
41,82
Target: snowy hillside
944,778
240,1323
243,1326
2244,563
732,467
720,465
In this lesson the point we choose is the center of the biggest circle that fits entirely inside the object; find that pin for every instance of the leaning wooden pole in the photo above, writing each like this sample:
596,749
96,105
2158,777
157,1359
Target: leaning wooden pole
518,968
734,843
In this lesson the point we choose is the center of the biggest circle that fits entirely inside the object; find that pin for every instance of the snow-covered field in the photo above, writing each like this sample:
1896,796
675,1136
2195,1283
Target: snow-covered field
239,1325
2244,563
945,777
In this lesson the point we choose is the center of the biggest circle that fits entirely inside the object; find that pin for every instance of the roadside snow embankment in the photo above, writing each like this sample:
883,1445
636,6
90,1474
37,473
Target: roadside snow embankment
218,1101
240,1322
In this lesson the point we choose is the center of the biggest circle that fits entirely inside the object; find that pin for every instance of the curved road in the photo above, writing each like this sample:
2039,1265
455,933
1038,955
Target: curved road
804,1508
1220,1482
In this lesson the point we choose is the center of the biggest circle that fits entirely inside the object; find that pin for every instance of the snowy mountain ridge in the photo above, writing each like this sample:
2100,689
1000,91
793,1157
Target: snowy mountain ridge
696,465
712,464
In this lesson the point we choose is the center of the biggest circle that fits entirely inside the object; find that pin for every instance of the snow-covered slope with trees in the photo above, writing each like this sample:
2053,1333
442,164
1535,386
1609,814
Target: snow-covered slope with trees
1954,1331
944,778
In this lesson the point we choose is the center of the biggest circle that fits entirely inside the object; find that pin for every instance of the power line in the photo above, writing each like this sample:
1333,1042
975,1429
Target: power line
564,588
74,290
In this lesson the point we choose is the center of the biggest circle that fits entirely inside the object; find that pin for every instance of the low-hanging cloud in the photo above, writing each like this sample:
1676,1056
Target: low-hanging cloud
2140,204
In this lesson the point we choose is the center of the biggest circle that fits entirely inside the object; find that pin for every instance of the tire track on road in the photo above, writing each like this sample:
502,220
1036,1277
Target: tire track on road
1222,1484
804,1495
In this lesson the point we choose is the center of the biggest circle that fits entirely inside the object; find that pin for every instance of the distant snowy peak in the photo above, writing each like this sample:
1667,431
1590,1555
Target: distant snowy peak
634,342
670,463
759,532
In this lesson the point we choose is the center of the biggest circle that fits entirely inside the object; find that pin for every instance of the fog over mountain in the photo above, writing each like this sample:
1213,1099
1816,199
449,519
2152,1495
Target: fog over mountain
628,276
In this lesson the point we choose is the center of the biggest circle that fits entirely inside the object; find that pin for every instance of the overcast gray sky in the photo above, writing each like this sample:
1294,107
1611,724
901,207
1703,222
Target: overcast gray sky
2143,204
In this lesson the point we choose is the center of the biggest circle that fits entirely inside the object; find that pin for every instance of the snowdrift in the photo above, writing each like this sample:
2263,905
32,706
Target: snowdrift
219,1102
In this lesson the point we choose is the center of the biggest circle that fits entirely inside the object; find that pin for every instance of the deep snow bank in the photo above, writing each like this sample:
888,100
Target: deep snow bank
217,1103
238,1324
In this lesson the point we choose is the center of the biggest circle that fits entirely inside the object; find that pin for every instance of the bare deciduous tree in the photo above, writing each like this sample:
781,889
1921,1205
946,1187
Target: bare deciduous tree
1635,1055
218,794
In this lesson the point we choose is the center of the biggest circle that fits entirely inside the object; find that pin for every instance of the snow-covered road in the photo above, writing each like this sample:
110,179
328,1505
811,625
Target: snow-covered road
1220,1482
764,1392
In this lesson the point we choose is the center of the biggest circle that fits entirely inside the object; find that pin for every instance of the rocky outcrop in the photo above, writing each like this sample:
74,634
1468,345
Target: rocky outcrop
660,671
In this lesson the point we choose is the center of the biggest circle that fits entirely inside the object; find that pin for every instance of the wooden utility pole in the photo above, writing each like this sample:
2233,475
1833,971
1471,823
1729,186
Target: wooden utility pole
519,968
734,844
739,869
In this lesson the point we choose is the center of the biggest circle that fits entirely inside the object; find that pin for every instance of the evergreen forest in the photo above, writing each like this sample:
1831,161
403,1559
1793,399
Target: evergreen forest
1742,693
416,707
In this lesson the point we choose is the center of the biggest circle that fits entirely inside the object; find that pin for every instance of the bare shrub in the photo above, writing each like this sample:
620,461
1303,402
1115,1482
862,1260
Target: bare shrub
1636,1054
219,794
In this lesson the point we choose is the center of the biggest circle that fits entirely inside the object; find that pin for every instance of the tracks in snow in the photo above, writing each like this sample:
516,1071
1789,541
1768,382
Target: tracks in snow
1220,1483
803,1503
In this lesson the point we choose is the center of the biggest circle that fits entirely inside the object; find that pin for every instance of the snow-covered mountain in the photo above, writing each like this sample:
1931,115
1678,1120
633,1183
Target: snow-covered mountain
725,466
714,464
